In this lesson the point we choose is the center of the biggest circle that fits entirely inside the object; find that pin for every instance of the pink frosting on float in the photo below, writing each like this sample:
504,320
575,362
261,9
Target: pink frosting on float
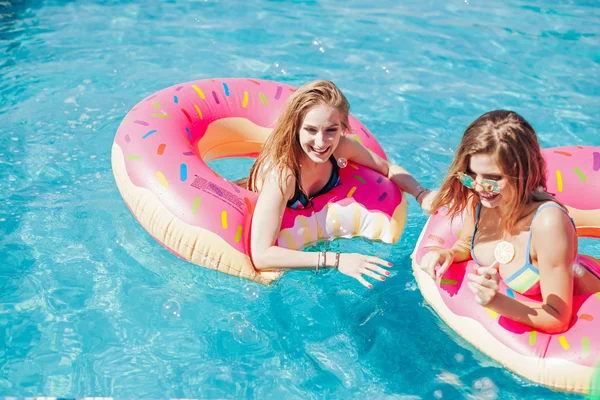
159,139
577,185
573,175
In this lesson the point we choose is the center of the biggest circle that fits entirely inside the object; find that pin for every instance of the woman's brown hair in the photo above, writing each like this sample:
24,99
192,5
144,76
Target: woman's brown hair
282,150
511,140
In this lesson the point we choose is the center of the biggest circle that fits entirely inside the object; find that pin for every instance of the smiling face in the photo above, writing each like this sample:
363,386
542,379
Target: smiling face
500,145
496,192
320,133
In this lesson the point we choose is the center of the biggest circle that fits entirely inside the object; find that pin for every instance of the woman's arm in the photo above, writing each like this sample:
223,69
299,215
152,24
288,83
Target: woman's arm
266,223
459,252
356,152
462,247
554,241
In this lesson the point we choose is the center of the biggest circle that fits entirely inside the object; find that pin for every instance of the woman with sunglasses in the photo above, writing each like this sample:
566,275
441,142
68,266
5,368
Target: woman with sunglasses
498,179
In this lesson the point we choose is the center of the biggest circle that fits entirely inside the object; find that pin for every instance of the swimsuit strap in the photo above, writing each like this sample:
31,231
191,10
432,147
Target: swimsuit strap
474,233
300,199
540,208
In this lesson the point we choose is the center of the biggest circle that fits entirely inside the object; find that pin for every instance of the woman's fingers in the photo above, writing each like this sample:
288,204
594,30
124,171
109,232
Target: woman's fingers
490,284
475,288
377,260
482,291
377,269
362,280
488,273
372,274
487,279
428,264
444,267
479,279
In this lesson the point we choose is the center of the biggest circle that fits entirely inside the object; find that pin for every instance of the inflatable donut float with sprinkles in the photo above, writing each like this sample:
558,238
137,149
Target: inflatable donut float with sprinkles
564,361
159,160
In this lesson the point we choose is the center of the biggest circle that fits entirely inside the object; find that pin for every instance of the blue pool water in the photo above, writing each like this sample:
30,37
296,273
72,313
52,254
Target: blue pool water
87,297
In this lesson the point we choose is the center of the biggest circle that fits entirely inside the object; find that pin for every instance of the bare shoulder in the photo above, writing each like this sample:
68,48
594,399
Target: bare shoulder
274,178
554,239
551,220
347,147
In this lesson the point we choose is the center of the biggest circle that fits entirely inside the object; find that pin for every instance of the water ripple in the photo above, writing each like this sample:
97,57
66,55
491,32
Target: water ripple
90,304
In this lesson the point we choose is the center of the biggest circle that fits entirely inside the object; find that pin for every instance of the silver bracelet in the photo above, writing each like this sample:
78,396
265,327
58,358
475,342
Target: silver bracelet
317,266
320,262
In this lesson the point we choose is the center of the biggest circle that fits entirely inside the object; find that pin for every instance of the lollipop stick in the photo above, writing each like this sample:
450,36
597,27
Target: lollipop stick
486,270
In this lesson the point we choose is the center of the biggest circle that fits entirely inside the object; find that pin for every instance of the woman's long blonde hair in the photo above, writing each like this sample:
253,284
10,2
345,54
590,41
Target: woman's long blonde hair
511,140
282,148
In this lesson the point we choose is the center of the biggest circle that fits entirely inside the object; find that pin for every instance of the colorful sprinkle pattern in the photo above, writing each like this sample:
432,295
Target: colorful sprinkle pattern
574,174
162,136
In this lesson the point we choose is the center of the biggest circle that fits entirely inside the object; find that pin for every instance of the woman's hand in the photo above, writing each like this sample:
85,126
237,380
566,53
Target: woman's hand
433,258
484,285
353,151
357,265
426,199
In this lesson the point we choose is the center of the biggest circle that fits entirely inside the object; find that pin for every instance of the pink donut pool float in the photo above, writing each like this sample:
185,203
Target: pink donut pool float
565,361
159,159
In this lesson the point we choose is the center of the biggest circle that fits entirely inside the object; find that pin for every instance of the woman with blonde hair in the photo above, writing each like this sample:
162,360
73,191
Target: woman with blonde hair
498,179
298,162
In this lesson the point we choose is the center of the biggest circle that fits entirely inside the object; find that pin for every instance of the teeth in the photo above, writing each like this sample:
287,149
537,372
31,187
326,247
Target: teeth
489,197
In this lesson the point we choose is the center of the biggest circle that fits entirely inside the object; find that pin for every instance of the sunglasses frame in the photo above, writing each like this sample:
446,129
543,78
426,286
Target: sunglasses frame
488,185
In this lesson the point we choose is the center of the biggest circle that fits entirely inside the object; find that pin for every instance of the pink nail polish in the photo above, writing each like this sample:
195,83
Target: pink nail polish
382,278
389,264
387,273
370,286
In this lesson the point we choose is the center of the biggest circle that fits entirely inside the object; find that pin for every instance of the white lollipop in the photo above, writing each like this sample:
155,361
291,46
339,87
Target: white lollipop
504,252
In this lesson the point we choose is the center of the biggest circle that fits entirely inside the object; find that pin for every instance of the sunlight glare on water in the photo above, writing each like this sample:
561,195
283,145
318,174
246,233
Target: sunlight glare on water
91,305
